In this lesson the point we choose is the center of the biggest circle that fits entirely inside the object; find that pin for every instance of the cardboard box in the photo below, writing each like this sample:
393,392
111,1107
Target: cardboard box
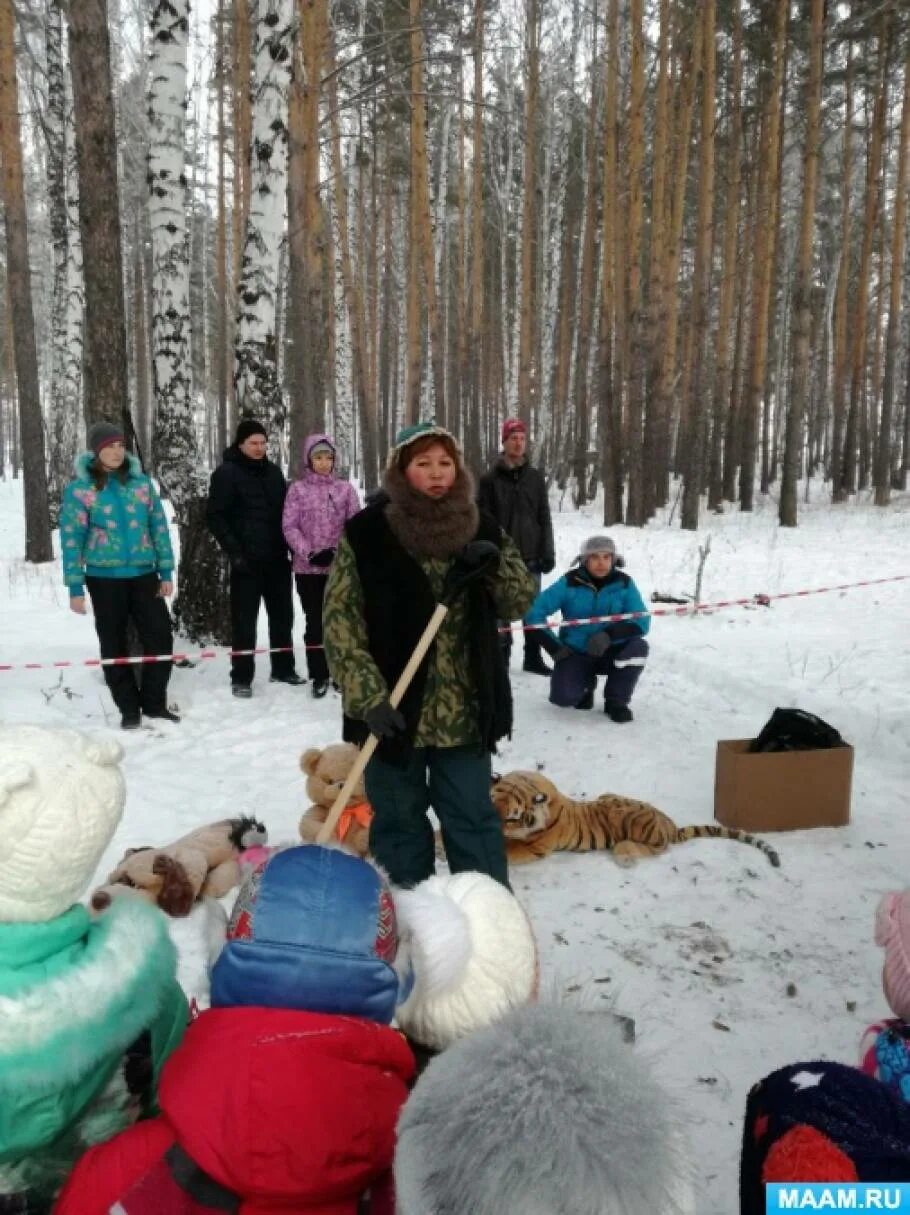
781,790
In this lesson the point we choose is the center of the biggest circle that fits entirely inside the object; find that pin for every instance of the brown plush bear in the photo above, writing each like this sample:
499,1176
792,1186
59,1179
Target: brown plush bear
326,769
204,862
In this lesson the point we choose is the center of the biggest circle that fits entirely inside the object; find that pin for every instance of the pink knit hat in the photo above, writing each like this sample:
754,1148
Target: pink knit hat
512,426
892,932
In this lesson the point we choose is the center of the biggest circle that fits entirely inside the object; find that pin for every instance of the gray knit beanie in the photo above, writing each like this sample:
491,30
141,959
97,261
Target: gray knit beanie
102,434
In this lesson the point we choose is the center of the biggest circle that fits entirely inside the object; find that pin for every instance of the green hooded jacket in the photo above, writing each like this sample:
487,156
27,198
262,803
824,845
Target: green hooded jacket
75,995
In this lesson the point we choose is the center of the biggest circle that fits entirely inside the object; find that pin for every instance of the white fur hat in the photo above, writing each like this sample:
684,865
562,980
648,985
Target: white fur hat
474,956
61,798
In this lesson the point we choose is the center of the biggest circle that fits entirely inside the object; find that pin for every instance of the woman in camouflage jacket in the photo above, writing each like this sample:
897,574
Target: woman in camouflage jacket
391,569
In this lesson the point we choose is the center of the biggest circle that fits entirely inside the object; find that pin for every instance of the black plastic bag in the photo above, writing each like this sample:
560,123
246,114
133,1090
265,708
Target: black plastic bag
796,730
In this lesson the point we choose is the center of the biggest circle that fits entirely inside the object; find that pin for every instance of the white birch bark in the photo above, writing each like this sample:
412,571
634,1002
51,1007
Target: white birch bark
174,434
255,370
64,414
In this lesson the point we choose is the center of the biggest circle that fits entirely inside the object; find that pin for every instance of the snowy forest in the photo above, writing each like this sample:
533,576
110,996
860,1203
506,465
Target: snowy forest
668,234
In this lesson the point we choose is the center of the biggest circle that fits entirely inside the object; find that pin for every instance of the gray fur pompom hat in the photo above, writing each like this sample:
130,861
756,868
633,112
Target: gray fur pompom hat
547,1111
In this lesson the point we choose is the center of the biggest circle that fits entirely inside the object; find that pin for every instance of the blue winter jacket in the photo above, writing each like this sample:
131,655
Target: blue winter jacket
575,596
117,532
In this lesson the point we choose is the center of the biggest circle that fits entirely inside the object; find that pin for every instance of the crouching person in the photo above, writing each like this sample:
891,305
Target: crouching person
285,1093
89,1009
594,586
547,1110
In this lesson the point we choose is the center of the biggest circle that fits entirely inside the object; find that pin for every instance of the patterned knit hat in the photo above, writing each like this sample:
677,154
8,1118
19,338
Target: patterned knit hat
61,798
892,931
420,430
512,426
314,929
821,1121
474,952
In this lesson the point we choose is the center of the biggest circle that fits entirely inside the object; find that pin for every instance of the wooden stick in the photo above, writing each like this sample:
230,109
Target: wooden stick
366,752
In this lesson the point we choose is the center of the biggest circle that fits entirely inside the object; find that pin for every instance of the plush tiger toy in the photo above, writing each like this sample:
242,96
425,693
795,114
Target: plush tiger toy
537,819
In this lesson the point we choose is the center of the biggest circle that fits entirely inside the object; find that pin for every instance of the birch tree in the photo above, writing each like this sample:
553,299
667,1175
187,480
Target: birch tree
256,354
65,390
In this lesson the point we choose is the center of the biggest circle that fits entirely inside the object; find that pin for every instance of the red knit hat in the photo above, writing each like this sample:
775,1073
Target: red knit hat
513,426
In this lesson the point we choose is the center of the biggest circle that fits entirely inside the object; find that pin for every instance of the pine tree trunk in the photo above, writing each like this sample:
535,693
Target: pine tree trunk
697,415
421,231
841,302
256,350
657,264
802,294
667,306
221,245
730,273
609,426
635,153
763,260
19,290
476,313
859,319
586,301
883,454
106,369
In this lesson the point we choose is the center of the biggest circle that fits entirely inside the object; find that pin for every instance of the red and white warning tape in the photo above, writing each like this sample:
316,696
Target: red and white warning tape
689,609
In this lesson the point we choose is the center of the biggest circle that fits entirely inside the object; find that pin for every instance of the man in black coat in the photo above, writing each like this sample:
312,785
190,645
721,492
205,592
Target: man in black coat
246,500
515,493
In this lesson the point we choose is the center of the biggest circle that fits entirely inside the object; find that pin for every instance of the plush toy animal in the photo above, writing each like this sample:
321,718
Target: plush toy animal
537,819
204,862
326,769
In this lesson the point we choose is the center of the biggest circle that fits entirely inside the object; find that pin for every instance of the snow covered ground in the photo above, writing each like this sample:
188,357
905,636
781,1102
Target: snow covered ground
727,966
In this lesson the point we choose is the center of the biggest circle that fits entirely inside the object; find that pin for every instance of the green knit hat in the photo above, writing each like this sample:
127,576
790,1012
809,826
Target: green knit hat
420,430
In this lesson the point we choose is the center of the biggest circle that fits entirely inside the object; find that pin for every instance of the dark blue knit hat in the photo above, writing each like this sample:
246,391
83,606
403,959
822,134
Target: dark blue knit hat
314,929
821,1122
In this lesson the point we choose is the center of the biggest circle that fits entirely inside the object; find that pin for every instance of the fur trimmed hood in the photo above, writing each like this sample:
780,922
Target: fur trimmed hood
109,980
430,527
547,1111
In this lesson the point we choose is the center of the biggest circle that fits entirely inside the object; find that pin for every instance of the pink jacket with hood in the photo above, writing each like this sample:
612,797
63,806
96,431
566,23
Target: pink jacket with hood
316,509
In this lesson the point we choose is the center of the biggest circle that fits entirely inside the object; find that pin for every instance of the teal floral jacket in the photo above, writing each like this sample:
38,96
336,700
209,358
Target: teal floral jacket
120,531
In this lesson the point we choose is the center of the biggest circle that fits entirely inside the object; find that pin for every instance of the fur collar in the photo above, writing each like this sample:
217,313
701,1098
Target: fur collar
428,527
108,992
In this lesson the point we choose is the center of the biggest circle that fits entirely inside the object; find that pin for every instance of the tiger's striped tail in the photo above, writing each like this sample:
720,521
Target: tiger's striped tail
713,831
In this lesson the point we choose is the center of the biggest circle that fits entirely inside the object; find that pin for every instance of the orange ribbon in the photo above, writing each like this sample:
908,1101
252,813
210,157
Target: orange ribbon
359,813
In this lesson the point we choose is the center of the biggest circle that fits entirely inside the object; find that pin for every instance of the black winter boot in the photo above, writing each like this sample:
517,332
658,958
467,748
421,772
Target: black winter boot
617,713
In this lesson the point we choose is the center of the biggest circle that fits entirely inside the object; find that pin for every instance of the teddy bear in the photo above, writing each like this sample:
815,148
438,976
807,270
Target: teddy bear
326,769
202,863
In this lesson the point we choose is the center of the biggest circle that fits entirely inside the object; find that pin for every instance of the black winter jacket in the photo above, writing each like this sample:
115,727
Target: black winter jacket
246,498
517,499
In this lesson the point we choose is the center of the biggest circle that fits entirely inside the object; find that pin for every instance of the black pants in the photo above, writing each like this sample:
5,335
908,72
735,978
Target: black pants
531,638
116,601
268,581
311,589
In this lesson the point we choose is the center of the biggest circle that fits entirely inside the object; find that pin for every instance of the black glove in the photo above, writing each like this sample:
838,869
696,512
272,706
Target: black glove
240,565
547,565
480,553
384,721
561,653
598,643
533,566
322,557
